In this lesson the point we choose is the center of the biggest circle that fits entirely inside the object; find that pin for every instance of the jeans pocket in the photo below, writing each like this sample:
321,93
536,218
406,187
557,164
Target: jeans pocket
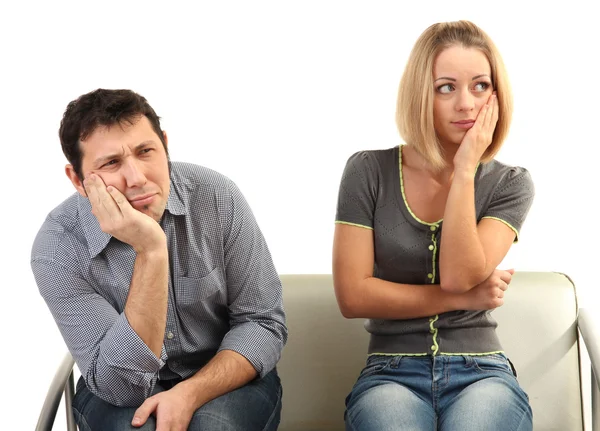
375,364
493,363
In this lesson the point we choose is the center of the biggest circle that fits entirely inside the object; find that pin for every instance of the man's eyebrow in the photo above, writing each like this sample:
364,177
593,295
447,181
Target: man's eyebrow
101,160
144,144
454,80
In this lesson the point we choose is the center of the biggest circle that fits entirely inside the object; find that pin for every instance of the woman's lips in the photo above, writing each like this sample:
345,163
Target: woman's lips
465,124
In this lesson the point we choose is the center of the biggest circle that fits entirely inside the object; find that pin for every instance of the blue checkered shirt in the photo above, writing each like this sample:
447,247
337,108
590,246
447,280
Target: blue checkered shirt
224,291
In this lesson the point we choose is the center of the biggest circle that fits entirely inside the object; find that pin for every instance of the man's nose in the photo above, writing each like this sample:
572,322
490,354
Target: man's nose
133,174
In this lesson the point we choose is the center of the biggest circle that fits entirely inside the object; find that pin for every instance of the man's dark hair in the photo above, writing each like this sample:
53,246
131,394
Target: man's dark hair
97,109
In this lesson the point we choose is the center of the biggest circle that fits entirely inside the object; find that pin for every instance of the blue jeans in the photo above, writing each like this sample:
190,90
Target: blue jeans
445,393
253,407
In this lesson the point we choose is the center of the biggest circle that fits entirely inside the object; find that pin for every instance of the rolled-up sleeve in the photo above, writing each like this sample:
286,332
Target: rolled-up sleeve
257,318
116,364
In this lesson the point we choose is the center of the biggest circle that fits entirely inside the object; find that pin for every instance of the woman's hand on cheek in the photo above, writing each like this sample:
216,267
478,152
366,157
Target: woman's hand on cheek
478,138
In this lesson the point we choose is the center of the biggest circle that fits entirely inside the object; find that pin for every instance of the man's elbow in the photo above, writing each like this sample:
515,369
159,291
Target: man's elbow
120,396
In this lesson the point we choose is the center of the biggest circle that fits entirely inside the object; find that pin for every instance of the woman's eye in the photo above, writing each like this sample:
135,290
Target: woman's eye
482,86
445,89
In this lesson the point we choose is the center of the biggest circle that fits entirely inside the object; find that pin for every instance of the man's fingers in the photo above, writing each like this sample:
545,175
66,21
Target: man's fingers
142,414
99,196
120,200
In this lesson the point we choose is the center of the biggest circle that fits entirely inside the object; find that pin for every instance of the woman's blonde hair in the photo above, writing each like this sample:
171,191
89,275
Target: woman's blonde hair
414,111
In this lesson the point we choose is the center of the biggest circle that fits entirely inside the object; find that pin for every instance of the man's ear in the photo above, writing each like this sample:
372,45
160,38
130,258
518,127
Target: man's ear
165,138
75,180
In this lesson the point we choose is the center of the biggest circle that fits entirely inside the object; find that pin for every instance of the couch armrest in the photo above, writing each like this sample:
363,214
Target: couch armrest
589,327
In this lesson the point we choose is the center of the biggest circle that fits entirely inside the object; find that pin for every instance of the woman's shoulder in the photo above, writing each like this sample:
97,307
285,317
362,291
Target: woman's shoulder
373,158
496,172
501,179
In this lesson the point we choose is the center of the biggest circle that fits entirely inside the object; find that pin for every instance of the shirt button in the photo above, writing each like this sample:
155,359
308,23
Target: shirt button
432,331
170,335
430,275
432,347
433,228
430,247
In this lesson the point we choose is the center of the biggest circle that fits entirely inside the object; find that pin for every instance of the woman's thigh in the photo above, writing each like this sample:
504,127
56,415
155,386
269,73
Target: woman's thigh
392,393
484,394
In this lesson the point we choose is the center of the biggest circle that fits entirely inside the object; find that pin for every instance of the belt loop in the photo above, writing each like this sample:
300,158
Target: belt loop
395,362
514,370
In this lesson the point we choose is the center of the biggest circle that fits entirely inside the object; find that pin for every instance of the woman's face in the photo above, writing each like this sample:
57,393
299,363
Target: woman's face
462,83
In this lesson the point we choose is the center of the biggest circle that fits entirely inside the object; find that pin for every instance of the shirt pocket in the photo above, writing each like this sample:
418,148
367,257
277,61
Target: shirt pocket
199,296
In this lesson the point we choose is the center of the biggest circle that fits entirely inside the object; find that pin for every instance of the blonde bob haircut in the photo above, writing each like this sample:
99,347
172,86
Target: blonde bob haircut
414,111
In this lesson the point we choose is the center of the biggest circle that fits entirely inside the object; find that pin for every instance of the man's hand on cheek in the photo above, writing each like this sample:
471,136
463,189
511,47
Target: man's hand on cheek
118,218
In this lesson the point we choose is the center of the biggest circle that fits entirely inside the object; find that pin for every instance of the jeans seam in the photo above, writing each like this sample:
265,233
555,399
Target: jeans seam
82,419
274,412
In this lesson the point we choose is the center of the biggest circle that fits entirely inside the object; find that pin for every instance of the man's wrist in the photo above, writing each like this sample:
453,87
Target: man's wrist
190,390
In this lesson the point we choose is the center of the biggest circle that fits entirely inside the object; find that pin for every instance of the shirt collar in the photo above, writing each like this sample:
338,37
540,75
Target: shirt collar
98,240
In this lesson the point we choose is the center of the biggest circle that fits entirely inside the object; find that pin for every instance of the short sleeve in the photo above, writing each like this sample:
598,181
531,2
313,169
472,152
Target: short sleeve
512,199
357,195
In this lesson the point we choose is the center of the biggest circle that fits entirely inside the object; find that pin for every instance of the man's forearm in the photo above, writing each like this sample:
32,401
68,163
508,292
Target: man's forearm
227,371
146,307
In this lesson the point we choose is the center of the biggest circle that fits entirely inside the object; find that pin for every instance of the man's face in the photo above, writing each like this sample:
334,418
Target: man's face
130,158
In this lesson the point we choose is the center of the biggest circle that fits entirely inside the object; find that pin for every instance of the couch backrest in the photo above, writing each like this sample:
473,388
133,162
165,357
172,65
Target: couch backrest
325,351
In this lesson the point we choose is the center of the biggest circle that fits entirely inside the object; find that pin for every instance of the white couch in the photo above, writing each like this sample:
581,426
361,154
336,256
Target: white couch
538,326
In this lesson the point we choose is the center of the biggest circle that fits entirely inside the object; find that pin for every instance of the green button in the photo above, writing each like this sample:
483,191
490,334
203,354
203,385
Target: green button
432,347
430,247
433,228
430,275
432,331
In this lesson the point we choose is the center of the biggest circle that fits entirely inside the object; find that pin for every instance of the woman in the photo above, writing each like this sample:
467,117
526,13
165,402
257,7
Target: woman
420,230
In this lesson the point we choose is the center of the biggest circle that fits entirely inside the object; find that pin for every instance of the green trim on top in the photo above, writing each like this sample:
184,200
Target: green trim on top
404,195
472,354
353,224
436,224
433,256
435,334
440,353
507,224
397,354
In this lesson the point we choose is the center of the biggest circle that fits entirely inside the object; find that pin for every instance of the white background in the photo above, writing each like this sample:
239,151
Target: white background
277,95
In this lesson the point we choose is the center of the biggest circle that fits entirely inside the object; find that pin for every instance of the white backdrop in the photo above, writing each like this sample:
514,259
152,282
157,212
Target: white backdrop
277,95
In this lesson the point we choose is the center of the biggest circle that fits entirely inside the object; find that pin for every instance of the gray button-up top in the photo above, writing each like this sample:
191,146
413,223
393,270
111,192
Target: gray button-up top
371,196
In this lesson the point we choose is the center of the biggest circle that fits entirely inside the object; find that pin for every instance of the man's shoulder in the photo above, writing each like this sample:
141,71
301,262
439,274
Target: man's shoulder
192,176
62,222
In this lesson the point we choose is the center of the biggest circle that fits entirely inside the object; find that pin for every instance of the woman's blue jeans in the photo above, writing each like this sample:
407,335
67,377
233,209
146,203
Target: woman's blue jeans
445,393
253,407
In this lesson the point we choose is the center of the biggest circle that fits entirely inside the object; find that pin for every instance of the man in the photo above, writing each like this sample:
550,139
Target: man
159,279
